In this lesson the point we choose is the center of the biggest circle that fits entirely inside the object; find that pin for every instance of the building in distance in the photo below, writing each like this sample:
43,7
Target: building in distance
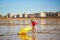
59,14
42,14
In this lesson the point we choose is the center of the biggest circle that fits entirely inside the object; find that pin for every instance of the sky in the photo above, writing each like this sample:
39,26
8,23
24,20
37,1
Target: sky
28,6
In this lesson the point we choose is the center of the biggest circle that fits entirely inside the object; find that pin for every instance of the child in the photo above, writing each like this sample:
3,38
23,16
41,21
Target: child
33,23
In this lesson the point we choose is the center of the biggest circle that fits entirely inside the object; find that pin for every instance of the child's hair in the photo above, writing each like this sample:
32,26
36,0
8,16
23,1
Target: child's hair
32,17
32,20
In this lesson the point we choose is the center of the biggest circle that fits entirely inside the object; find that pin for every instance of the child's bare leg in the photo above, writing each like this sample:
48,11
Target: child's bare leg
33,30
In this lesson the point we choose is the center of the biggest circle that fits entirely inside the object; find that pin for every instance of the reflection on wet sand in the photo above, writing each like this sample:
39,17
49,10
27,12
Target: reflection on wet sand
25,37
34,36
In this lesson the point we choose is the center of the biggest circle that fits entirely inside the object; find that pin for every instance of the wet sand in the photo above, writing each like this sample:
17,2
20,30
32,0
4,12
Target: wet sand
50,29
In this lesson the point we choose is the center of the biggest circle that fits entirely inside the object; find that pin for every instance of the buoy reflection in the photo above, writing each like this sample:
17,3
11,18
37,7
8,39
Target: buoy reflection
24,36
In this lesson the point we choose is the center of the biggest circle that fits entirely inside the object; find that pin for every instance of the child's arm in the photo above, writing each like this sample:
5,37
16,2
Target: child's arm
30,23
36,21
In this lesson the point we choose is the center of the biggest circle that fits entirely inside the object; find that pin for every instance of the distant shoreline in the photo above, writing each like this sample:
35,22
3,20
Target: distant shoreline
28,18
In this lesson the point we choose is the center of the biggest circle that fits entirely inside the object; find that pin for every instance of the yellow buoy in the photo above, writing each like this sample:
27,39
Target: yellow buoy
25,29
